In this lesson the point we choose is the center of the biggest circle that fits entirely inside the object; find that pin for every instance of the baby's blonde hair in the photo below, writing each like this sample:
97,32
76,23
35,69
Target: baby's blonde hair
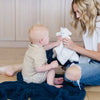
36,32
89,9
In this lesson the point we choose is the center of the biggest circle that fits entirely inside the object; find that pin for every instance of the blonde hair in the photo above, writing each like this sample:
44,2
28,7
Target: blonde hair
89,9
36,32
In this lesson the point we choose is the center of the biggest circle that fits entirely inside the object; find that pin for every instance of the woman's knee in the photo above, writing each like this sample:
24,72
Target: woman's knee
73,73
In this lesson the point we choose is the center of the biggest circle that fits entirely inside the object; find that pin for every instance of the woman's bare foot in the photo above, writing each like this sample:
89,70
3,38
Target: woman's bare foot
58,80
10,70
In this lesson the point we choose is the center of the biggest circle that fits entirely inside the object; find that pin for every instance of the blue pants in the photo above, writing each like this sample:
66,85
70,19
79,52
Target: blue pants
90,72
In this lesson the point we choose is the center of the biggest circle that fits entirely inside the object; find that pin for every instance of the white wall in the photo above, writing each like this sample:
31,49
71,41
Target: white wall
18,15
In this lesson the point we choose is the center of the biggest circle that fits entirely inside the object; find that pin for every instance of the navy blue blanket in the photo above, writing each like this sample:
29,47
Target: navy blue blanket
20,90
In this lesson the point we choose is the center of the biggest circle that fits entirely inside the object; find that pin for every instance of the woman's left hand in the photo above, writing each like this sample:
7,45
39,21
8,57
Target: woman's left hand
69,43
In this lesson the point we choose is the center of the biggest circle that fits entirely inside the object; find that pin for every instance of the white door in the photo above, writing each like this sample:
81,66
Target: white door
27,14
7,19
52,15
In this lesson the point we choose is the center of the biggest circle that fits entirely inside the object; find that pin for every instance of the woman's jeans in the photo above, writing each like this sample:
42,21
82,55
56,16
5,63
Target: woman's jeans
90,72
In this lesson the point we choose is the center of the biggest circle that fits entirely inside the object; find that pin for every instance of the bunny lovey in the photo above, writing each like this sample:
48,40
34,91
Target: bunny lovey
62,53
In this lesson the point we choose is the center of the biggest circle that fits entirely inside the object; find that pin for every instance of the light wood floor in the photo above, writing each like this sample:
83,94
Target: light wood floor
10,56
16,55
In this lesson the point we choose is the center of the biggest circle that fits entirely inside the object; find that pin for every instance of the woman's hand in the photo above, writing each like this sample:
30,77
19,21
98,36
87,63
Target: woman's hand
69,43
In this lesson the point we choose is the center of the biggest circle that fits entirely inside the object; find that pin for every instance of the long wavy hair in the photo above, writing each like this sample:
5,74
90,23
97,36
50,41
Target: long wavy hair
89,9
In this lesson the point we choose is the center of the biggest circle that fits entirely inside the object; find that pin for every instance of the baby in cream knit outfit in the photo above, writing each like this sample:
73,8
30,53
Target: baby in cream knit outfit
35,68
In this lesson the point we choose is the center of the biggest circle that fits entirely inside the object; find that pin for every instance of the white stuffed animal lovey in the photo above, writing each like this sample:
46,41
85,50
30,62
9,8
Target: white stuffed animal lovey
62,53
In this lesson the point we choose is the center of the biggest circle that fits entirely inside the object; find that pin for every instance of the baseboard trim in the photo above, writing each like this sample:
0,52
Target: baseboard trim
14,43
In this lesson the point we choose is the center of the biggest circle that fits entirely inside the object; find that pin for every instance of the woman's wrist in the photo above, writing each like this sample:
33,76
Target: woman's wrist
76,47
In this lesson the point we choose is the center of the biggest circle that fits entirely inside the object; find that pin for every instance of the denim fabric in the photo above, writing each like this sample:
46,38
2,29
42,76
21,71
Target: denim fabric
90,73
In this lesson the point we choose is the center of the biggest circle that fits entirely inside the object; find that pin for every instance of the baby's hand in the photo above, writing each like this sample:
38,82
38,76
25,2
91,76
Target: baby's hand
54,64
59,38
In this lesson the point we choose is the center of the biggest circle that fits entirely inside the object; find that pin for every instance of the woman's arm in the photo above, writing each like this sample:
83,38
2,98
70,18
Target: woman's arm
89,53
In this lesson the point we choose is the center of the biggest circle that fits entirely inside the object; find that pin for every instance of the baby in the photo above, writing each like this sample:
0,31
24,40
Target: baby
35,68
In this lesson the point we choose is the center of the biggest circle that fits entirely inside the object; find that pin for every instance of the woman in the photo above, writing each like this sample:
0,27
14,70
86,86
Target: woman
87,72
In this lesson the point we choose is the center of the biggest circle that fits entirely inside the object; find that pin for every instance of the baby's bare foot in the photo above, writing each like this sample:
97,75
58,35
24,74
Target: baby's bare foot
58,80
58,86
